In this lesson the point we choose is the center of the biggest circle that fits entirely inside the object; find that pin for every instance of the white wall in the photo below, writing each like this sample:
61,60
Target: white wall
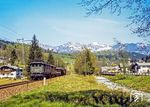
15,74
144,69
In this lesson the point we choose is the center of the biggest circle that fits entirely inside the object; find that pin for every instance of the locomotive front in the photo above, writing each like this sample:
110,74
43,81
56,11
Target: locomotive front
37,70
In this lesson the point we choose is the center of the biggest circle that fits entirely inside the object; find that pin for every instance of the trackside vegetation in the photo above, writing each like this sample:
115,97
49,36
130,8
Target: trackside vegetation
73,91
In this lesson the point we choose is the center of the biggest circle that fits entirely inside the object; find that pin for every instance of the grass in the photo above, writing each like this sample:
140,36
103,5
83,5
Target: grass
8,80
141,83
71,83
71,91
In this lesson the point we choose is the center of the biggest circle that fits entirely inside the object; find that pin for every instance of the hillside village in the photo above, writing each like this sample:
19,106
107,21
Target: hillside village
140,65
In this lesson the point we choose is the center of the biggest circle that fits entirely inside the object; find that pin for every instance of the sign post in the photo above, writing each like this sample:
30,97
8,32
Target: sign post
44,81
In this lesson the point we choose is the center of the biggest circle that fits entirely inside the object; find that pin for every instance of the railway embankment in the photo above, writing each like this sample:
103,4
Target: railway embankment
8,90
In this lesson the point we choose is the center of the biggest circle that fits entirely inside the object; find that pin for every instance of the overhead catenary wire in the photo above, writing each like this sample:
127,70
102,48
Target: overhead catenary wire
7,31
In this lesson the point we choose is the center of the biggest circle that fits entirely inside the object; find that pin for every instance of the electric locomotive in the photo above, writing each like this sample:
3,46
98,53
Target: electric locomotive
40,69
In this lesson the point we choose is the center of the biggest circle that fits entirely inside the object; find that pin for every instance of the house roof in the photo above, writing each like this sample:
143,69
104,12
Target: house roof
143,64
11,67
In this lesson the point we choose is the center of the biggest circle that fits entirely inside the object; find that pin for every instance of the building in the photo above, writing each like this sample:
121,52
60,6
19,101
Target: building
140,67
143,67
110,69
8,71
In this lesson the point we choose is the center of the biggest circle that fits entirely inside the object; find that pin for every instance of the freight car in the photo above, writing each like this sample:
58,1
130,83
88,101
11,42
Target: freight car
61,70
40,69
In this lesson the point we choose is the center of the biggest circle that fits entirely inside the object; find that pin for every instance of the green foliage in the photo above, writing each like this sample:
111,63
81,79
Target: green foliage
123,60
107,58
85,62
72,91
35,50
59,61
50,58
90,98
13,57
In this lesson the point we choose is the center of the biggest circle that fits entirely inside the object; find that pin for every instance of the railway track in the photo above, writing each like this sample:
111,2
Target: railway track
17,84
109,73
14,84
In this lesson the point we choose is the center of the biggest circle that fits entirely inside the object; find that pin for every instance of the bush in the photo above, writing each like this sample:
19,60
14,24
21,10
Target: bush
89,98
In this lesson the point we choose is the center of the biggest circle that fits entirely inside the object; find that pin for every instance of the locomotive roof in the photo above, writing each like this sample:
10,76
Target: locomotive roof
61,68
42,63
37,63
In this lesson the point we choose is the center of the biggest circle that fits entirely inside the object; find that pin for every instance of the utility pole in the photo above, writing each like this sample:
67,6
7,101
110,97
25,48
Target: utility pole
85,61
57,63
23,51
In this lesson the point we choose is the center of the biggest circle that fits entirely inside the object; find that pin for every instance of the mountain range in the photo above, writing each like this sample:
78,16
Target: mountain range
71,47
76,47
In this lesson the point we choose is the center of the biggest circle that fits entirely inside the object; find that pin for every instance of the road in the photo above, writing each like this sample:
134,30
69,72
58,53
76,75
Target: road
115,86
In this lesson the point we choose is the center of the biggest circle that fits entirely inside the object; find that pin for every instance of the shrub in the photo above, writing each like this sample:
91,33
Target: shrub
91,98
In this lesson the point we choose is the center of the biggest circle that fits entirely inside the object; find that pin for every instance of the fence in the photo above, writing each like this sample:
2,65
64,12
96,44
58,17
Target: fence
128,73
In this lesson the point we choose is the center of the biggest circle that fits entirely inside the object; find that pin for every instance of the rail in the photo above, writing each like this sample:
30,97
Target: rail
8,90
14,84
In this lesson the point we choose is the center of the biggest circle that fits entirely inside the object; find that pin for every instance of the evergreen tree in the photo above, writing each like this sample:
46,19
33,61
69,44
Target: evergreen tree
147,59
13,57
35,51
50,58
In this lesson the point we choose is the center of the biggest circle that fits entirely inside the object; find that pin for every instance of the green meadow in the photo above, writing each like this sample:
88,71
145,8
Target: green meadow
72,91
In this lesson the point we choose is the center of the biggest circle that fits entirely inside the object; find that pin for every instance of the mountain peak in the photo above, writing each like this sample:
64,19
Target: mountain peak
71,47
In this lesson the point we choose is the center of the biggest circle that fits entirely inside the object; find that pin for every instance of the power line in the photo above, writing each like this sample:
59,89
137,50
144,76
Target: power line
5,38
9,29
23,51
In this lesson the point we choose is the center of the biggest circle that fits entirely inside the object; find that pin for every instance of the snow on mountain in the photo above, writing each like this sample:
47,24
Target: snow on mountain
95,47
71,47
68,48
76,47
136,47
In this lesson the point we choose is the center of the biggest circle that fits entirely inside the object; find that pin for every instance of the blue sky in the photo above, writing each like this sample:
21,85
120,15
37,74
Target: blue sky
59,21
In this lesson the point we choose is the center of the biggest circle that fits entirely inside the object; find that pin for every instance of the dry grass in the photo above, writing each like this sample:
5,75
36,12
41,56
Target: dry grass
8,80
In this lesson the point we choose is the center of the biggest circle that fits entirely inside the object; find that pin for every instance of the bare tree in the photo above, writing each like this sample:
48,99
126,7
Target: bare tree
139,12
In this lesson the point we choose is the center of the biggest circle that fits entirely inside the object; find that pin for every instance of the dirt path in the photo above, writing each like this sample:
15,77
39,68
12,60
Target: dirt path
115,86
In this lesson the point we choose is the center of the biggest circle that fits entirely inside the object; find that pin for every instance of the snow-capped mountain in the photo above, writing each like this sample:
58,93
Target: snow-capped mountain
76,47
71,47
68,48
95,47
135,47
